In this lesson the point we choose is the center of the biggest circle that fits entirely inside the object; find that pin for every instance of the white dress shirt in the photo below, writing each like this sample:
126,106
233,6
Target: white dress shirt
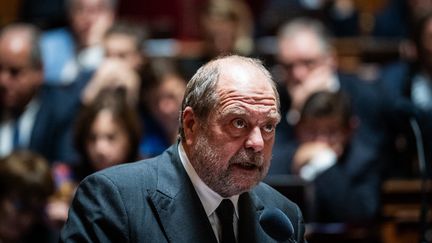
209,198
25,125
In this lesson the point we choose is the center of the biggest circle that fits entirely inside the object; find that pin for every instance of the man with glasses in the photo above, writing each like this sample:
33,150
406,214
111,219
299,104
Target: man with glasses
308,65
324,133
31,114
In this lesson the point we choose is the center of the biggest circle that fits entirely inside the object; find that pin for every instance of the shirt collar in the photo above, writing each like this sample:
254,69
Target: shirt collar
209,198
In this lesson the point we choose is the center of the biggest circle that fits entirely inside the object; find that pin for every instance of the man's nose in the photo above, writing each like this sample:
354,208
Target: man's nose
299,72
255,140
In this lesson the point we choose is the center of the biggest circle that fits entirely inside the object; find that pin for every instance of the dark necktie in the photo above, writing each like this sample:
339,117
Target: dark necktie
15,137
225,213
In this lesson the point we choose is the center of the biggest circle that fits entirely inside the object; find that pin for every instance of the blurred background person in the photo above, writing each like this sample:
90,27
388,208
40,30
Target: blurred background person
307,64
107,132
112,74
125,66
68,51
346,187
124,50
226,27
162,100
25,185
33,115
125,40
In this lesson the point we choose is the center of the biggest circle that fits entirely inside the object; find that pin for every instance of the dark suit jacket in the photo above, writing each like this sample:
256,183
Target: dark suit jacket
50,135
367,107
349,190
154,201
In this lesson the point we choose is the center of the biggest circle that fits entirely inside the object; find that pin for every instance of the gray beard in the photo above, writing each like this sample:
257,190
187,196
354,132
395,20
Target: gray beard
207,163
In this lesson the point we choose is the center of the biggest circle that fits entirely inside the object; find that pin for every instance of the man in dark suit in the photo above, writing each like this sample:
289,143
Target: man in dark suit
308,65
228,119
328,157
32,115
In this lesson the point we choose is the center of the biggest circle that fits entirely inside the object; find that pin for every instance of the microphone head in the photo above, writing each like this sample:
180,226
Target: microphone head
276,224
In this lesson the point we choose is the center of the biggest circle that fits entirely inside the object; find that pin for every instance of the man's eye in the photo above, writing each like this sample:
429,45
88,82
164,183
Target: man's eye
269,128
239,123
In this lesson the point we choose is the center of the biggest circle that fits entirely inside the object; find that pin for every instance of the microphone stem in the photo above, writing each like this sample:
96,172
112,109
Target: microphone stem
424,178
420,149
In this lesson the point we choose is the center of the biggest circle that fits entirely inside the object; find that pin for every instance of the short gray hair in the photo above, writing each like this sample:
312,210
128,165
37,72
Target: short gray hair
291,28
201,93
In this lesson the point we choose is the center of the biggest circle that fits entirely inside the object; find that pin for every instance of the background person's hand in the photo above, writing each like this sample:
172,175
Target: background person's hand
113,74
319,79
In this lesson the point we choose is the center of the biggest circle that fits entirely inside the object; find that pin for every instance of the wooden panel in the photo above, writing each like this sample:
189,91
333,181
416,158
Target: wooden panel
9,11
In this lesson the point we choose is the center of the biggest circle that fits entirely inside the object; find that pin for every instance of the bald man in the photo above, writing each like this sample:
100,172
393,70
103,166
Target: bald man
32,115
227,126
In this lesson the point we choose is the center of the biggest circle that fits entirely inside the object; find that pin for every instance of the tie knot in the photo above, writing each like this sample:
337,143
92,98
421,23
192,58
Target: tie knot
225,211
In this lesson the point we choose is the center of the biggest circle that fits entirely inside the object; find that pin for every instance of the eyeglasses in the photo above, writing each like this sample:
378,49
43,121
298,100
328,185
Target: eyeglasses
309,64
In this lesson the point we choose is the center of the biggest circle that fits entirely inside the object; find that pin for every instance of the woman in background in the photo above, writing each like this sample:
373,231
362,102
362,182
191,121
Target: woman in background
107,133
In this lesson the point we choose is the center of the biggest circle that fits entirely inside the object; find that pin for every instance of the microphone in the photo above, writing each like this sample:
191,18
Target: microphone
276,224
406,108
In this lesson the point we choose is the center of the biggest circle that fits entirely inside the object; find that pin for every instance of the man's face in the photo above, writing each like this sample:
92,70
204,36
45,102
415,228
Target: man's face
108,142
165,101
231,151
221,35
301,55
123,47
90,19
19,81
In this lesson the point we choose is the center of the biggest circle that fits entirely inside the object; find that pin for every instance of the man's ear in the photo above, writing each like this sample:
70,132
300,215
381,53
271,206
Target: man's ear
190,125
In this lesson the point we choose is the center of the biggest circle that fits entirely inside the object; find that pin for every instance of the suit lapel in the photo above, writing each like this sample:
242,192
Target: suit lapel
178,207
250,208
182,216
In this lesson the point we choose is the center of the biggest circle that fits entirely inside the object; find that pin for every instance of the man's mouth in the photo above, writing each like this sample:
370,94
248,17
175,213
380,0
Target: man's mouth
247,166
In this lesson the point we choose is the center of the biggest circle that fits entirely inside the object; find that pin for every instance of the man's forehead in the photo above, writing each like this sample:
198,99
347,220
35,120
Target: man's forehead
16,38
243,108
247,103
16,50
242,77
